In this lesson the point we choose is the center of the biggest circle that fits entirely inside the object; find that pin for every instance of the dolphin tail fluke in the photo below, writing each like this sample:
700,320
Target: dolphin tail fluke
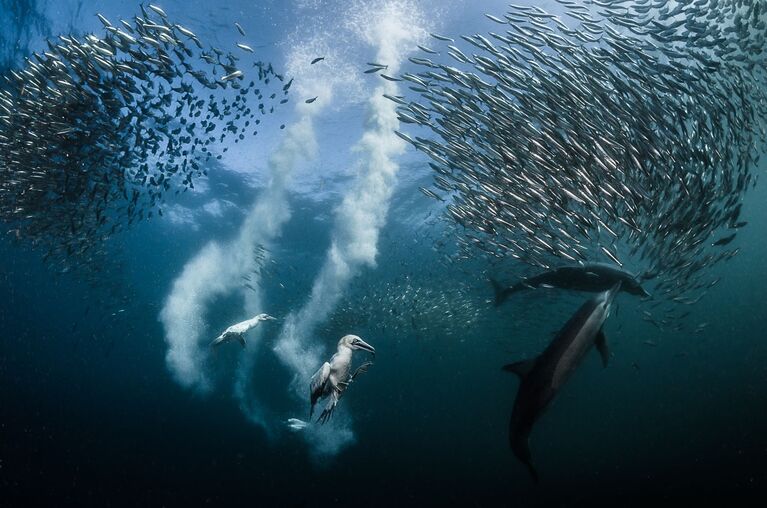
501,292
521,447
217,341
532,470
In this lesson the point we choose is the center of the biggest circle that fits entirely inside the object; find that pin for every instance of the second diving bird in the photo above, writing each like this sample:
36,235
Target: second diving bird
237,332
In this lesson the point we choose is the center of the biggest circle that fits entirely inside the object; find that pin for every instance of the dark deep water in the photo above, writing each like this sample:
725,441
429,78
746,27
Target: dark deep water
90,415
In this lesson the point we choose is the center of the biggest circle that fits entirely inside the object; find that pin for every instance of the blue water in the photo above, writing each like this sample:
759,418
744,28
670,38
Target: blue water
91,413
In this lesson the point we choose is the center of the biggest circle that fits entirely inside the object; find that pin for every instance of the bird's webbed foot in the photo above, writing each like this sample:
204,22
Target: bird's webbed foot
360,370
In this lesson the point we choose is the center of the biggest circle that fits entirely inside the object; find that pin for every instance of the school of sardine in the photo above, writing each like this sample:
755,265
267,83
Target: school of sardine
624,131
95,131
409,305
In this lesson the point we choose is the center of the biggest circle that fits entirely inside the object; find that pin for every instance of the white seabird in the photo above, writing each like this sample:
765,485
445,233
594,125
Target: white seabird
237,332
332,379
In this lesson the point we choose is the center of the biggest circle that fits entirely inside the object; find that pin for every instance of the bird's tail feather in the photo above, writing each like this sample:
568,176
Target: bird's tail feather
329,407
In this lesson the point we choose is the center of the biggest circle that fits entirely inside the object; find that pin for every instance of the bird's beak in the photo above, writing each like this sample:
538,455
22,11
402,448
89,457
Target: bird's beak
367,347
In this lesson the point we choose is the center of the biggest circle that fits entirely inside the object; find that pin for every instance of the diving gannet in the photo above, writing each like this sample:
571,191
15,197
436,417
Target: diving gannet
332,379
237,332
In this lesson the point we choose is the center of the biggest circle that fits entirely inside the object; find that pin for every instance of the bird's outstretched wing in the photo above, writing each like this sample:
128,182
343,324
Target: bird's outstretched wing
228,335
219,340
317,385
335,394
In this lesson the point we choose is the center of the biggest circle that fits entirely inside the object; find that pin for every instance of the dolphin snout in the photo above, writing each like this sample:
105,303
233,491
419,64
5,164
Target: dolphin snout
610,296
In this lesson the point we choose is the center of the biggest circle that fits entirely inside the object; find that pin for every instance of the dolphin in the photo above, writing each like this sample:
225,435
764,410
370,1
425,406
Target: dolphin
592,277
542,377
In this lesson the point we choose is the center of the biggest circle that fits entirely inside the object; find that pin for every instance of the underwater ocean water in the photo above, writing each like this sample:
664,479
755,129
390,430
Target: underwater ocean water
412,173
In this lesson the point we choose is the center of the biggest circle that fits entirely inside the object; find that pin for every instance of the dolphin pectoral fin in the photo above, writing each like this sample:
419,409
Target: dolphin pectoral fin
601,343
521,368
241,340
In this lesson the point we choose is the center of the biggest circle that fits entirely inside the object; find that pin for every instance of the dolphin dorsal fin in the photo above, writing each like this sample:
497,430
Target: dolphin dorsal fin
521,368
601,343
501,292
